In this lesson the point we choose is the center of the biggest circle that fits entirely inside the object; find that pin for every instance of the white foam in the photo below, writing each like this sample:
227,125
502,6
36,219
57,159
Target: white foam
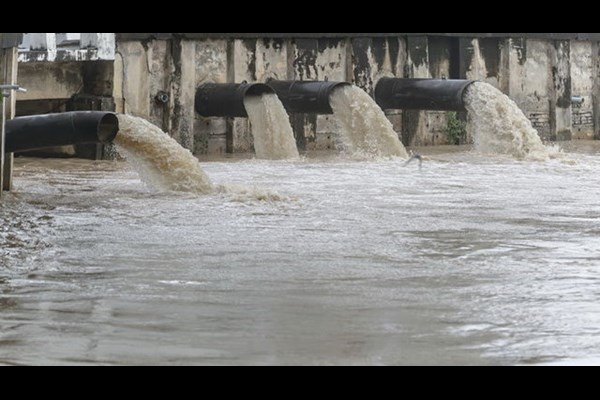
245,193
498,125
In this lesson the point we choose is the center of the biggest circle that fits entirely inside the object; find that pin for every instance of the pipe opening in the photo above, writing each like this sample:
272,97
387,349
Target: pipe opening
49,130
226,99
108,127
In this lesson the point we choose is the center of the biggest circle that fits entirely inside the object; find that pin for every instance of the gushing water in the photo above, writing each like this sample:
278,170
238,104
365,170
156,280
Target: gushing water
159,160
496,263
365,130
163,164
273,135
498,125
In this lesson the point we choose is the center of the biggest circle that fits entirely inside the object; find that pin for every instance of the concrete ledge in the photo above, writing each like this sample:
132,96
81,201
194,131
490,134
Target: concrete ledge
165,36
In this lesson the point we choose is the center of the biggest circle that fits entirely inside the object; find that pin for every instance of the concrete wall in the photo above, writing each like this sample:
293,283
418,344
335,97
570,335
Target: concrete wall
50,80
539,71
582,84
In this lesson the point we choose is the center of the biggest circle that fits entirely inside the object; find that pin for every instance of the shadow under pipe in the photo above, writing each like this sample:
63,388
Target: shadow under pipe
310,97
61,129
421,94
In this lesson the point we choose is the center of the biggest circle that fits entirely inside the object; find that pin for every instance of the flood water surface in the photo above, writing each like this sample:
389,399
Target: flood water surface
471,259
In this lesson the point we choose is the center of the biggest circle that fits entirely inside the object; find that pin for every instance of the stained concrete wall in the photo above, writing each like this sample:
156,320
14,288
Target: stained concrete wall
582,85
539,71
50,80
596,88
146,68
540,74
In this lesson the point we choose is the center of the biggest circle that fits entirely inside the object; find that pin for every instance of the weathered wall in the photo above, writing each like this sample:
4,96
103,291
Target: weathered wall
596,88
540,72
530,69
541,76
213,62
582,84
317,59
254,60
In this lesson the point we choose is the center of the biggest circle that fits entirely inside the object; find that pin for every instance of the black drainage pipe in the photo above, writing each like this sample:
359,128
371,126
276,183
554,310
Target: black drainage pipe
421,94
49,130
226,99
305,96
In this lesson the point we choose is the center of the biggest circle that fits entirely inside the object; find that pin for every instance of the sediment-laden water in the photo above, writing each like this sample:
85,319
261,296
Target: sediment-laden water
365,131
271,129
473,259
159,160
498,126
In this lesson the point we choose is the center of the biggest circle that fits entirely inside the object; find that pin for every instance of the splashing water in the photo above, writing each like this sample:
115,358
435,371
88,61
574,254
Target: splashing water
499,126
273,135
366,131
159,160
163,164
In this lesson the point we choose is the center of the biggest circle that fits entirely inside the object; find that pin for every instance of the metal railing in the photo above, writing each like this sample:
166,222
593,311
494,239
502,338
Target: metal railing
40,47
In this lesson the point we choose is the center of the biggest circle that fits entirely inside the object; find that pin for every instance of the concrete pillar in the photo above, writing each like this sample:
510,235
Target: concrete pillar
475,63
183,92
331,65
161,73
559,90
504,67
582,85
391,65
531,82
8,75
242,66
211,65
414,129
440,58
363,64
596,89
303,64
135,91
